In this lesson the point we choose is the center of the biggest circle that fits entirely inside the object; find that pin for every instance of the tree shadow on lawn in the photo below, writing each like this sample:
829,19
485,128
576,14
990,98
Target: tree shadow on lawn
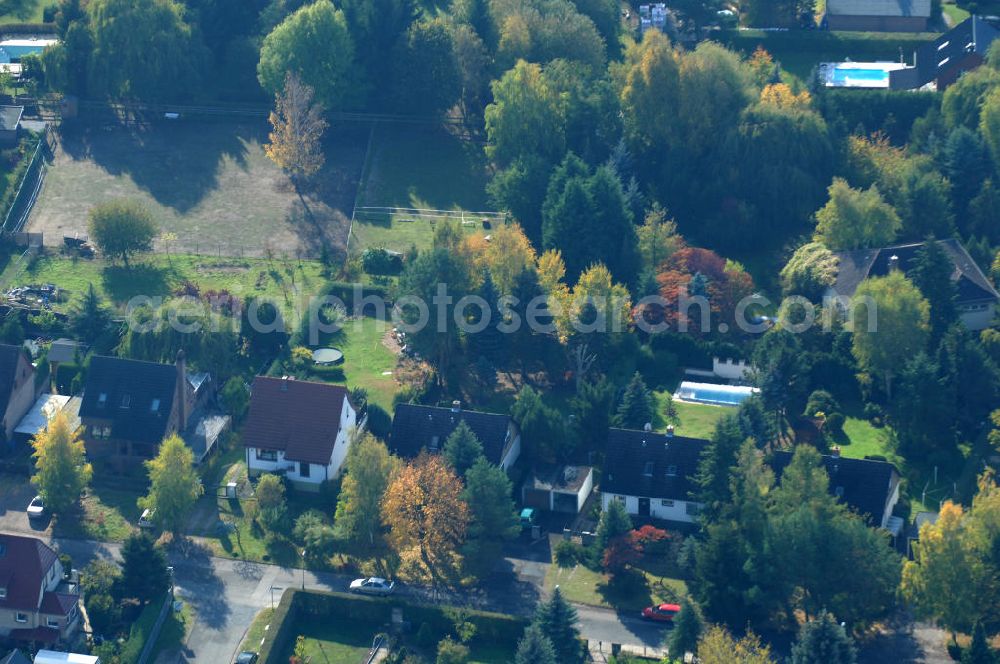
123,283
628,590
177,163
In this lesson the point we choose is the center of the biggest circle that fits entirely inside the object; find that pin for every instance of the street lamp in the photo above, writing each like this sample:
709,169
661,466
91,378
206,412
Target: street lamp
170,571
273,588
303,569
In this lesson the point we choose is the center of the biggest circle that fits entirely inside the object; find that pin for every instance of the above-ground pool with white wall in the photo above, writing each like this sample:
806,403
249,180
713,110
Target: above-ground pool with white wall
717,395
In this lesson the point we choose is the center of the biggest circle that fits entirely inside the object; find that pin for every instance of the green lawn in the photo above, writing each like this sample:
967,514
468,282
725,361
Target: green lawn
334,641
954,13
255,633
425,167
283,281
696,420
368,361
861,439
173,632
585,586
417,167
108,516
399,232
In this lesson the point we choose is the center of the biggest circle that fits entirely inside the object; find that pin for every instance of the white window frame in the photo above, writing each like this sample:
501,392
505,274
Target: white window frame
20,617
52,622
261,452
666,503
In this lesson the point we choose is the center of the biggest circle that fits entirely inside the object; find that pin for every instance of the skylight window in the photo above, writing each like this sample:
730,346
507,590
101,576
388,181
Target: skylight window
671,471
126,400
102,399
155,406
648,470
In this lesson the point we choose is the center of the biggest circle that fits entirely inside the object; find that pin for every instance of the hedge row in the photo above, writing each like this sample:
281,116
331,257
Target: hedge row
377,611
27,29
891,111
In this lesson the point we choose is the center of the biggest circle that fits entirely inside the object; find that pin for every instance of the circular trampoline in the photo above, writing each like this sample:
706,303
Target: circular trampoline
325,356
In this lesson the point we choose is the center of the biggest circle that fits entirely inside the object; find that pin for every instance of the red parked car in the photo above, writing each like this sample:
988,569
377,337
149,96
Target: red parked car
661,612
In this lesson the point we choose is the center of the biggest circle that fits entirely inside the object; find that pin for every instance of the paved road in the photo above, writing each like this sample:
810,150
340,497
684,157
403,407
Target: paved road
226,594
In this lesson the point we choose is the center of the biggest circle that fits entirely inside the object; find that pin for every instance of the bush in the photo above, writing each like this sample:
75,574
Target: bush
821,401
835,423
874,413
568,553
379,260
49,13
426,636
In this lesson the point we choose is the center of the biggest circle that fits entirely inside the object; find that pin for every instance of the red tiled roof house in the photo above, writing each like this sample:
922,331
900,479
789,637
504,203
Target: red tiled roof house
298,428
36,606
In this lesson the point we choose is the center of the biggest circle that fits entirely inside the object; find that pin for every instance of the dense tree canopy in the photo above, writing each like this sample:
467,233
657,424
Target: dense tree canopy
315,44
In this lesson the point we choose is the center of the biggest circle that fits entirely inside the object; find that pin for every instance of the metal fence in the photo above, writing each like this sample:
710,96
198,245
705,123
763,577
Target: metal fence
28,188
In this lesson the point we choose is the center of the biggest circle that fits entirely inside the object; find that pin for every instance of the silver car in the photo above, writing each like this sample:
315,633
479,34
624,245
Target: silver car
372,586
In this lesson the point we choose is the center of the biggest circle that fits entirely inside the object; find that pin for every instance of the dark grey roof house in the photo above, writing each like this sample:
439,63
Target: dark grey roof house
941,62
416,428
976,297
867,486
878,15
652,474
130,406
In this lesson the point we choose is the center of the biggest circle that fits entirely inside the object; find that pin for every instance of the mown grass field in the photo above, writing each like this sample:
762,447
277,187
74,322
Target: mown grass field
25,11
418,167
208,183
283,281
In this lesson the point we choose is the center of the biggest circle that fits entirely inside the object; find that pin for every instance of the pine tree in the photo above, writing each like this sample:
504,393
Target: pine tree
718,457
535,648
89,318
144,568
979,651
636,408
490,341
614,523
823,641
557,620
931,273
462,448
688,625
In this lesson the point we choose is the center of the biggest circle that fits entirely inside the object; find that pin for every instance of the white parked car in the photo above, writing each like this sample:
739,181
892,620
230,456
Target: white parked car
372,586
146,519
36,508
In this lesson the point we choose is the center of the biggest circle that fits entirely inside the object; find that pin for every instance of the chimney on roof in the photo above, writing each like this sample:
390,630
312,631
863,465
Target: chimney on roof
182,414
456,406
835,452
284,383
648,426
893,263
670,431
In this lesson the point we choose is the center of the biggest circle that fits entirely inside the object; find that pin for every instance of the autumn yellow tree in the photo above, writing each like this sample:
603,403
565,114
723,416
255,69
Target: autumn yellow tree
781,96
718,646
61,468
507,254
953,577
424,510
297,130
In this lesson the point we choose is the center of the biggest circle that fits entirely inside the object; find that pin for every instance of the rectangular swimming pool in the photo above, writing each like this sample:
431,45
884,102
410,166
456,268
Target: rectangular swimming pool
718,395
858,74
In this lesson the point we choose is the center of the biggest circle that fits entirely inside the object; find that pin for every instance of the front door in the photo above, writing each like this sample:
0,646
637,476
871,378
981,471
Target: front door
644,507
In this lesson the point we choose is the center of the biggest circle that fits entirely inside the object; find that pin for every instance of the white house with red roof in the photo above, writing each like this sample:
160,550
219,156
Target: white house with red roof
298,428
36,605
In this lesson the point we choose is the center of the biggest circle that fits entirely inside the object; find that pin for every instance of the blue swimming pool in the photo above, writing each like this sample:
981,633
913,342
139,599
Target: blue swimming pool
719,395
844,75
